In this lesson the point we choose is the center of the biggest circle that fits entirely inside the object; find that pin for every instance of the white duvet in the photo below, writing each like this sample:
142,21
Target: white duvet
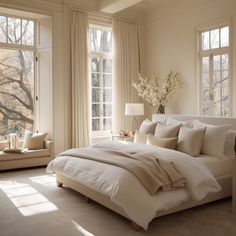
126,191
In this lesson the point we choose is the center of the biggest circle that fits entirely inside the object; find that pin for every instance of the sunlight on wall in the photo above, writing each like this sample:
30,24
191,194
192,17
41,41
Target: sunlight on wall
26,198
82,230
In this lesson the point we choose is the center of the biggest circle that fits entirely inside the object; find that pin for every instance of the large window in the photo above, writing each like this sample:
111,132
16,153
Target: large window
17,75
215,71
101,80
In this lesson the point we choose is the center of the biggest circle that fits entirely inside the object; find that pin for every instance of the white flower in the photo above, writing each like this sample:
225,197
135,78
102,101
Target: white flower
155,91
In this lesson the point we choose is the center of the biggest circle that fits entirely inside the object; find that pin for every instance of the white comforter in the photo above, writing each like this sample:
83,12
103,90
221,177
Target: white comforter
126,191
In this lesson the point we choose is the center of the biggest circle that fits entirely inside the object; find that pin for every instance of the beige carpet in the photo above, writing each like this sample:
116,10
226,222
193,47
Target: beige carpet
31,204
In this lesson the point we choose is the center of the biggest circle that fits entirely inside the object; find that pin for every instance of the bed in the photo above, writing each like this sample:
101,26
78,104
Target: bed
96,184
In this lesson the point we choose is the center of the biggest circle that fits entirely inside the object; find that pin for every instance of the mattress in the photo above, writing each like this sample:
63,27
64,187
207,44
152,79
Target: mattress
218,167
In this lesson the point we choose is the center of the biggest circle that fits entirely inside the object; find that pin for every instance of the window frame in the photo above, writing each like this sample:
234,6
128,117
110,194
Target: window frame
101,56
21,46
30,48
211,53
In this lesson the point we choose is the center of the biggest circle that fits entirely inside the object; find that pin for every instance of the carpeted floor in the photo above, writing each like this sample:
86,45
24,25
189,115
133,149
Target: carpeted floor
32,205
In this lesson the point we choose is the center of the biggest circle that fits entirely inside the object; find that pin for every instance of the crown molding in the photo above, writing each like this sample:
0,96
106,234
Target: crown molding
37,6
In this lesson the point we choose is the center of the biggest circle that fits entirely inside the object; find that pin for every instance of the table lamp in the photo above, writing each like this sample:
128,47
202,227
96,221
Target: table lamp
134,109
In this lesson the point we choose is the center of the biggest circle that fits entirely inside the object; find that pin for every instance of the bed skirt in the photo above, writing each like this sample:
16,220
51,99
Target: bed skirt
224,181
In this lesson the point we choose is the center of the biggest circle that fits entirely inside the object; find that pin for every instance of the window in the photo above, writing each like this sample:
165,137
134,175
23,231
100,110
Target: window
101,80
17,75
215,71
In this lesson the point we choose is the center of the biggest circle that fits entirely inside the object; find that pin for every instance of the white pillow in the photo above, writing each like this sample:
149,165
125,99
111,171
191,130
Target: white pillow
214,138
190,140
169,143
171,121
34,141
161,119
140,137
147,127
166,131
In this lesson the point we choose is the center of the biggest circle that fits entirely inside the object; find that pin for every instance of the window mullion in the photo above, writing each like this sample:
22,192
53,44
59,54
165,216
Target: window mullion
221,111
211,83
21,31
6,29
101,93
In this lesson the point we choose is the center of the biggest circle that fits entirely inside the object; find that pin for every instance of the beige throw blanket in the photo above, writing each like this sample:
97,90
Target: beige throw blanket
153,173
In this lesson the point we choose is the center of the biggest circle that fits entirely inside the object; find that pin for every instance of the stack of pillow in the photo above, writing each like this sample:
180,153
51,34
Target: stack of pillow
191,137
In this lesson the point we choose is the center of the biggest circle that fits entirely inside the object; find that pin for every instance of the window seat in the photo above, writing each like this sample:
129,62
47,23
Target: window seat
39,157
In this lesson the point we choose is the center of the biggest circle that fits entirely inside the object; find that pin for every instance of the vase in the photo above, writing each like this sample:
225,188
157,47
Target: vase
161,109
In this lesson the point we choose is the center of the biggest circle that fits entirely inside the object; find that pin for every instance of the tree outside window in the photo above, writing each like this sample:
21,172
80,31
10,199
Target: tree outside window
17,51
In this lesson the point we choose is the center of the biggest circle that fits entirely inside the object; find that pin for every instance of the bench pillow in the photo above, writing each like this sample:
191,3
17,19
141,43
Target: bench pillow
34,141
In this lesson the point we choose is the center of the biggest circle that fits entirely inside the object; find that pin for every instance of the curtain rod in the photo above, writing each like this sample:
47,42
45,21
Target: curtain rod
98,13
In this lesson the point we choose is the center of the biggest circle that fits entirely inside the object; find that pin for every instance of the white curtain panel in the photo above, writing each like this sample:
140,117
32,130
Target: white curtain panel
79,79
126,64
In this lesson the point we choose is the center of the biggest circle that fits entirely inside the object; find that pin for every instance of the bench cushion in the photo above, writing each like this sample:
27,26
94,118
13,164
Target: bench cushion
29,154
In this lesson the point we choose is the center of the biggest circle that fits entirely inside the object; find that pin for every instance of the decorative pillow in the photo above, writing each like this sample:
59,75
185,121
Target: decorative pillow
190,140
214,138
166,131
147,127
172,121
140,137
161,119
229,147
169,143
34,141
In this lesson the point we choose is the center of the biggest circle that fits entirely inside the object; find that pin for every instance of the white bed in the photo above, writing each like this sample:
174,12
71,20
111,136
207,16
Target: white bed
85,179
218,167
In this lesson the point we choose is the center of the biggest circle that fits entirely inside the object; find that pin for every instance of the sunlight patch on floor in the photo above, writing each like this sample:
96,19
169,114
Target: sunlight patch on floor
82,230
47,180
26,198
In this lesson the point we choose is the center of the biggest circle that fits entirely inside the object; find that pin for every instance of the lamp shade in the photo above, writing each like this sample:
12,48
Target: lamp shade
134,109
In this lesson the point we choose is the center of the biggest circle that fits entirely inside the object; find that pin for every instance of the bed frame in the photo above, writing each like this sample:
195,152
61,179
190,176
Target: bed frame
228,183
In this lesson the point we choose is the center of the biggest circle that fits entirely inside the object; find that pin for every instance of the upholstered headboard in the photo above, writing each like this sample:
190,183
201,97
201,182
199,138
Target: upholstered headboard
205,119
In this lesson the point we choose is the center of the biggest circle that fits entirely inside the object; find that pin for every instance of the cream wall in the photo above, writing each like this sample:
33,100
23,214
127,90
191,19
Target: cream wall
170,43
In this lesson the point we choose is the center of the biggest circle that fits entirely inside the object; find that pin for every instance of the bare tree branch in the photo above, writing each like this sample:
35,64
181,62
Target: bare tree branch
9,66
8,112
18,99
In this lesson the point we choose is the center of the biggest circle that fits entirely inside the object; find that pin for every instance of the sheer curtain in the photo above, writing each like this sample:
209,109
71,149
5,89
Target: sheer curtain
79,79
126,64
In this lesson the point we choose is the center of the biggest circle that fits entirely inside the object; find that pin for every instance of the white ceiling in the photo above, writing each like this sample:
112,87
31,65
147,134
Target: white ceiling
146,5
114,6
